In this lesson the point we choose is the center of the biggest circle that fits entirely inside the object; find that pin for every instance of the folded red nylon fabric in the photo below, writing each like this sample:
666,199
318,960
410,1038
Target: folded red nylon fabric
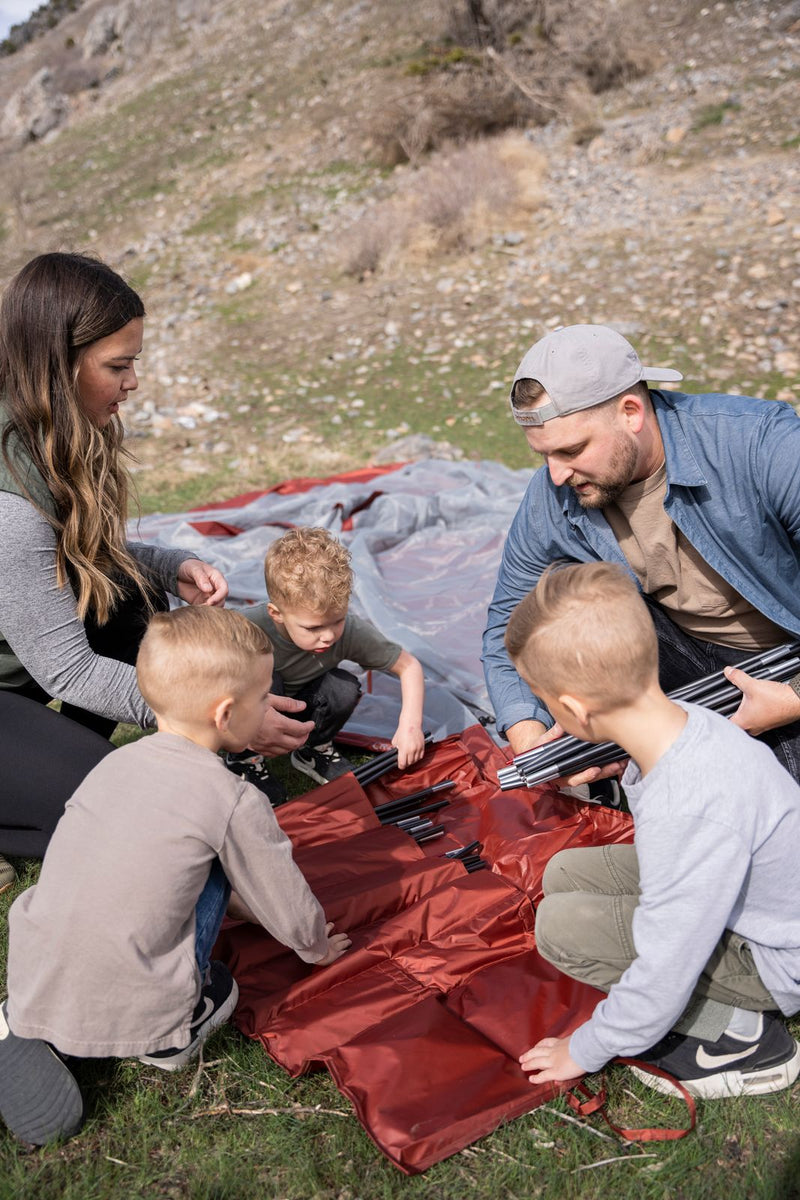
421,1022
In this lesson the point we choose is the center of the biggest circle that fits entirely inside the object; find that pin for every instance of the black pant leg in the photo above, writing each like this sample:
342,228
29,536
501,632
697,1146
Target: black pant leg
119,638
45,756
330,700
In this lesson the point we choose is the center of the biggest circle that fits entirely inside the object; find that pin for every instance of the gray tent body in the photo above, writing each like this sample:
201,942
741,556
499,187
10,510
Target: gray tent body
425,555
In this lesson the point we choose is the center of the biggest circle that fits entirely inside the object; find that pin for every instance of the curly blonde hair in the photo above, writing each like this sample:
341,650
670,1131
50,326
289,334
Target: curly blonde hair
308,568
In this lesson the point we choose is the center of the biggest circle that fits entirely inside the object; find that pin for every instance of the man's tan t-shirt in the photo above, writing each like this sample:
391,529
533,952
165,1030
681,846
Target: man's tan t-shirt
672,573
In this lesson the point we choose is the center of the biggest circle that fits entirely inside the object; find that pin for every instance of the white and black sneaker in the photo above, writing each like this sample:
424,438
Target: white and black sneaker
216,1004
253,767
730,1066
322,763
40,1100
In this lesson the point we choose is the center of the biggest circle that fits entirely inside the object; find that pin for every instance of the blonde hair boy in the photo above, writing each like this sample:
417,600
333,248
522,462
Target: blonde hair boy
610,657
692,931
309,582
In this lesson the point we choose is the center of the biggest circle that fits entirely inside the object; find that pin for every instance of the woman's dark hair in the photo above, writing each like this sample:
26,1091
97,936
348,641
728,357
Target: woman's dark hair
53,309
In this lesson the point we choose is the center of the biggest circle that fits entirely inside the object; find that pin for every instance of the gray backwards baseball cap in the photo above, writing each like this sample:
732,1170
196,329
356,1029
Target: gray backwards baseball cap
580,366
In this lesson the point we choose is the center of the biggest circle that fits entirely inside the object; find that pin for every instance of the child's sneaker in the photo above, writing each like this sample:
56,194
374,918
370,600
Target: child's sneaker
322,763
253,768
730,1066
39,1098
8,875
217,1002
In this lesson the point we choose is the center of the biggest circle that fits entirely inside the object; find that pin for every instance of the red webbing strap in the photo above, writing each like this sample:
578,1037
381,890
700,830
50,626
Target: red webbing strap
595,1102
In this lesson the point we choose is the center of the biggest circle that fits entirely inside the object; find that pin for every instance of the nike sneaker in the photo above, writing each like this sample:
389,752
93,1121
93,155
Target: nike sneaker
321,763
216,1004
731,1066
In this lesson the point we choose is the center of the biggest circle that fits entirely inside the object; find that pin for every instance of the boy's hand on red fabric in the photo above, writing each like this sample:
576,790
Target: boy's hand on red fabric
409,742
551,1061
337,944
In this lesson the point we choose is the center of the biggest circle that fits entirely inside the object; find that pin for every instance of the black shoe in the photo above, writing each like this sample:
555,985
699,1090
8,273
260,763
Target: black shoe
731,1066
40,1100
253,767
322,763
217,1002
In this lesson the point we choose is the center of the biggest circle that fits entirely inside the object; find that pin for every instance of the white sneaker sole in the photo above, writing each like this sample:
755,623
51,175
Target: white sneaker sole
185,1056
727,1084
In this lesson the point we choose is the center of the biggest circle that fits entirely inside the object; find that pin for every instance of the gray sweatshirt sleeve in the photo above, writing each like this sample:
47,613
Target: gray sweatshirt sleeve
162,564
39,621
257,858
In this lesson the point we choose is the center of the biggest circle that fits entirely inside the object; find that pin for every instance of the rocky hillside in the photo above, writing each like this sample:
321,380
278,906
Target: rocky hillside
342,242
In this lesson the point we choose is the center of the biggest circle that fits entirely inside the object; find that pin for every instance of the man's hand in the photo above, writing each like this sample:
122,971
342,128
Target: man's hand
550,735
337,944
765,704
280,734
551,1060
200,583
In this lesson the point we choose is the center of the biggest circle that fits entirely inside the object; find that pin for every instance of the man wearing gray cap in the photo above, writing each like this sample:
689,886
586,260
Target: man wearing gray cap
698,496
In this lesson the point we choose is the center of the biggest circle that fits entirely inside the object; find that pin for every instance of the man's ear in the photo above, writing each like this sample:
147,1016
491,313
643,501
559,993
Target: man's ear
633,410
222,712
274,612
577,709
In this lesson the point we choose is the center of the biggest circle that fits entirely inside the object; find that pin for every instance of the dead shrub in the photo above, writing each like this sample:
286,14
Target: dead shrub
452,203
522,61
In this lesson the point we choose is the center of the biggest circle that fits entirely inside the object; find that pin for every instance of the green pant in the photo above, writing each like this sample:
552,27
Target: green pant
584,927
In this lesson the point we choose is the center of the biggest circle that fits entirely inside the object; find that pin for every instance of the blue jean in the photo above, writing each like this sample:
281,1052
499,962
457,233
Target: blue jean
683,659
209,911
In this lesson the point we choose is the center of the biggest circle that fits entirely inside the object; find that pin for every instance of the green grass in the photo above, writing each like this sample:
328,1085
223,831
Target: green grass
237,1127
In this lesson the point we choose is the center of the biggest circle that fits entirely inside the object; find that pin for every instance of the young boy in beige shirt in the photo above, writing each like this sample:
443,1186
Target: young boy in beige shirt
109,951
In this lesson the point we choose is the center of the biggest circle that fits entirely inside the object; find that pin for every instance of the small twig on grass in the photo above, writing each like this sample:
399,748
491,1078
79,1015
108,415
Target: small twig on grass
581,1124
604,1162
201,1067
116,1161
297,1110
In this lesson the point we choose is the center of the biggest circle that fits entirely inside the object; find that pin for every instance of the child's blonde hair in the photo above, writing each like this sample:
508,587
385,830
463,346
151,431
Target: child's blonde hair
308,568
192,656
585,630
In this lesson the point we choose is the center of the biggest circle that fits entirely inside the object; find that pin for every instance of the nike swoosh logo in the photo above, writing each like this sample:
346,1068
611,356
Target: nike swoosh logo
208,1008
710,1061
4,1030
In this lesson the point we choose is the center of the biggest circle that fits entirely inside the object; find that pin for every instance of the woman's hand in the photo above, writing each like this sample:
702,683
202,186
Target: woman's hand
200,583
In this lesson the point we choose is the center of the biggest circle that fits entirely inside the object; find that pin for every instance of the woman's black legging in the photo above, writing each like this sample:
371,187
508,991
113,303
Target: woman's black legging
45,757
45,754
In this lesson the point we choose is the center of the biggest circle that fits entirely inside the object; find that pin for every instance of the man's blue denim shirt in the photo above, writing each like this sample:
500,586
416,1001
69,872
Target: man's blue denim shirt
733,489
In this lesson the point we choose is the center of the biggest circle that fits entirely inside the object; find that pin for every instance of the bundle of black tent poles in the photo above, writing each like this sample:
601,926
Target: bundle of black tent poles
379,765
569,755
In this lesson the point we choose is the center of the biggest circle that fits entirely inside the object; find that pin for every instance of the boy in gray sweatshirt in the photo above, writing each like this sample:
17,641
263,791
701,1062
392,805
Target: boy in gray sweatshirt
109,951
693,930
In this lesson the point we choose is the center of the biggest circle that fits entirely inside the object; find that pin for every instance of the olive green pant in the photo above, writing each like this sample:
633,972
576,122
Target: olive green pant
584,927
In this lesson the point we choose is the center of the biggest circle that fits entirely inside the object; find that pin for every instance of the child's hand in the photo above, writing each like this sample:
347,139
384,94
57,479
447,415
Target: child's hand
337,944
551,1060
409,741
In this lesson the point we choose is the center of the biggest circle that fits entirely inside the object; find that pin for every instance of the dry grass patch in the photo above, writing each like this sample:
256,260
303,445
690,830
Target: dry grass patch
454,203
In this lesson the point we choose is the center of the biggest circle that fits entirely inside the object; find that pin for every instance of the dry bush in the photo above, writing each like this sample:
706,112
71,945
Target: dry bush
520,64
452,107
453,203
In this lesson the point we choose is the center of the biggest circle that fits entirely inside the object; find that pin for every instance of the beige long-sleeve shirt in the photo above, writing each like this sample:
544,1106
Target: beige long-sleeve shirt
101,950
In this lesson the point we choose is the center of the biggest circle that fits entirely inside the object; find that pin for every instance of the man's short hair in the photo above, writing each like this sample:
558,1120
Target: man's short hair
308,568
585,631
526,394
192,656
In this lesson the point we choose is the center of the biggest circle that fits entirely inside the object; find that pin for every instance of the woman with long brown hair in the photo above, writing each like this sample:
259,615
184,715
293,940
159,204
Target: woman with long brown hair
75,595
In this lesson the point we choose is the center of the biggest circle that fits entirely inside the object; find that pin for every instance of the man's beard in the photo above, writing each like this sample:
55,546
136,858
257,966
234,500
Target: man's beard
621,469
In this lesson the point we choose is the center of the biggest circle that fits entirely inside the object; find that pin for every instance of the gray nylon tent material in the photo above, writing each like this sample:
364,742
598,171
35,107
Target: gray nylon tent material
425,555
